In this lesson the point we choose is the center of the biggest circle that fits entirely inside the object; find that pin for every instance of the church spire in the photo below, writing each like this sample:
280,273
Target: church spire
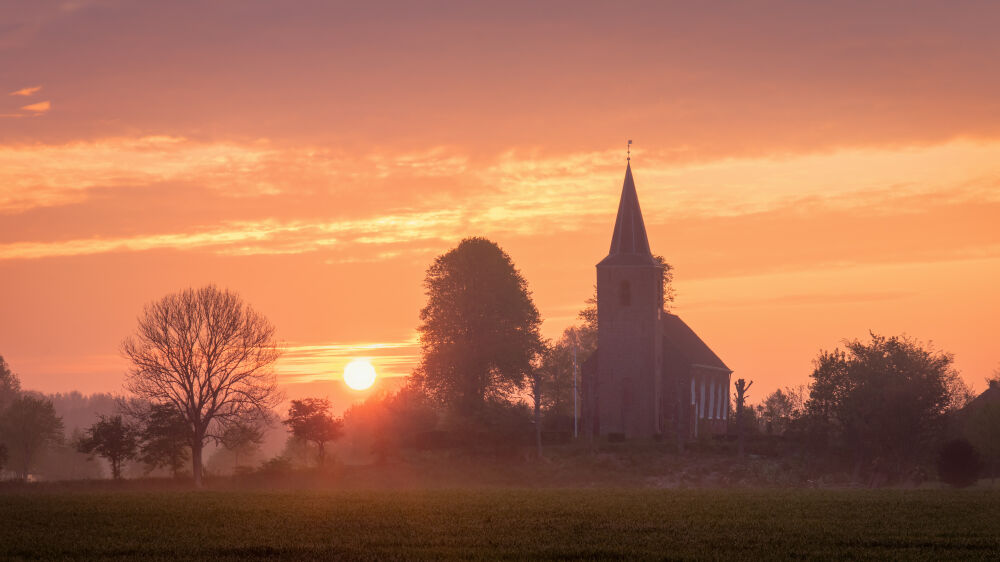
629,244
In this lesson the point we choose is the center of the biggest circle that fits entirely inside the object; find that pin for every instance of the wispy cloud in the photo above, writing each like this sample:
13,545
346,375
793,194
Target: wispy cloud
314,362
517,192
799,300
257,238
26,91
38,108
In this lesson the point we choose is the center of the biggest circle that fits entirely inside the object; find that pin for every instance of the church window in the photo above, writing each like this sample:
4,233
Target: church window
711,399
625,294
701,402
722,397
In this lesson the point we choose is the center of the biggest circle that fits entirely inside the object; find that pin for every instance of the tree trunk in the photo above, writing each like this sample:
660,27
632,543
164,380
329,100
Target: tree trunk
538,428
25,463
321,453
741,395
739,430
196,462
858,464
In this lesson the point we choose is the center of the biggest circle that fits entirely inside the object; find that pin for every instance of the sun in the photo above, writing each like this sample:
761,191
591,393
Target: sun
359,374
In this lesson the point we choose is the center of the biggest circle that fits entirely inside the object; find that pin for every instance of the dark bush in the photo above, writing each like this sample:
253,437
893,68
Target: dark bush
959,463
276,465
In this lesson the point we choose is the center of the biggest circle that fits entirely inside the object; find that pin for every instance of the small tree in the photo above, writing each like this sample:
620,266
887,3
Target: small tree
742,387
388,421
310,420
10,385
29,424
165,439
781,408
242,438
209,355
959,463
112,439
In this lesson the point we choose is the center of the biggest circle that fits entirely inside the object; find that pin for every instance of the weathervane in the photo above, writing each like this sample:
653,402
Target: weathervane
628,151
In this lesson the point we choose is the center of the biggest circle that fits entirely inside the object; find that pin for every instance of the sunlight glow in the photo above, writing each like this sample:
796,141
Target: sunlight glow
359,374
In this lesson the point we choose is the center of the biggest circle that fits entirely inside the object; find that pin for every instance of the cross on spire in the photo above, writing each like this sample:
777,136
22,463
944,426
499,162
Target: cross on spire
628,151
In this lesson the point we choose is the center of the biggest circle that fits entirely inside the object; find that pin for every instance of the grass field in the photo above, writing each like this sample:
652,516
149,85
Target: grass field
501,523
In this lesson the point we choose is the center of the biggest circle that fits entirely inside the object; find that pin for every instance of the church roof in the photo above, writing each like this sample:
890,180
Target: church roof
989,396
681,339
629,244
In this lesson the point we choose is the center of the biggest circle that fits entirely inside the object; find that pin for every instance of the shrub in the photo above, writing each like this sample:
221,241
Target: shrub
958,463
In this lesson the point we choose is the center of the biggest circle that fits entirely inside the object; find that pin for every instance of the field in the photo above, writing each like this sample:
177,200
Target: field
500,523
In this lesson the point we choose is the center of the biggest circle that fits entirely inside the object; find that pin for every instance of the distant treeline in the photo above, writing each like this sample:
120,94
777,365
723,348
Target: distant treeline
203,397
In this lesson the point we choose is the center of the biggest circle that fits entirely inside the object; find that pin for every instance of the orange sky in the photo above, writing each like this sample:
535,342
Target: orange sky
811,171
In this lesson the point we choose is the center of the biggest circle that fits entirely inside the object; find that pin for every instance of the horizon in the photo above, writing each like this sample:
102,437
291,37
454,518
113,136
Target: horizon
804,195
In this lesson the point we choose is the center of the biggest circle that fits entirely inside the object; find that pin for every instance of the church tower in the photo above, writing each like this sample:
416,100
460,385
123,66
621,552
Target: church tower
629,377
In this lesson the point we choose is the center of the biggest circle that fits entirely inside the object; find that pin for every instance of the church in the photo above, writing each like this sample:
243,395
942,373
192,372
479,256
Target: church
651,374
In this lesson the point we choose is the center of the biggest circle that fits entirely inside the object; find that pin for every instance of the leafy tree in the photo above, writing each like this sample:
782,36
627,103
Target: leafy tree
210,356
10,388
310,420
479,331
556,372
29,424
10,385
164,437
243,438
959,463
113,439
63,461
882,398
781,408
960,394
388,421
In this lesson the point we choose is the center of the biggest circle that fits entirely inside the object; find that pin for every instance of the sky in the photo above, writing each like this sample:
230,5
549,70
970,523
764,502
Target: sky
813,171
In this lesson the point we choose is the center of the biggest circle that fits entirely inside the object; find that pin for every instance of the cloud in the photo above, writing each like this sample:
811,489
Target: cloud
38,108
26,91
315,362
387,205
800,300
518,182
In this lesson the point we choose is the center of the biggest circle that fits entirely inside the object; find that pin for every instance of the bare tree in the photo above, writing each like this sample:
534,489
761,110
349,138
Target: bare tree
243,438
210,356
742,386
